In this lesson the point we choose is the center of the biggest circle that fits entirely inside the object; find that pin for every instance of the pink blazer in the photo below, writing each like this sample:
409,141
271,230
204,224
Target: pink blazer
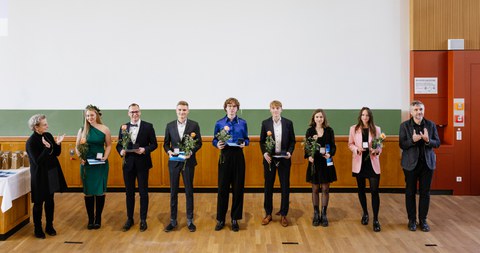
355,143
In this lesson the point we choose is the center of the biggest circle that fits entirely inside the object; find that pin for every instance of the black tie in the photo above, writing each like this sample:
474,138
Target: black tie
133,125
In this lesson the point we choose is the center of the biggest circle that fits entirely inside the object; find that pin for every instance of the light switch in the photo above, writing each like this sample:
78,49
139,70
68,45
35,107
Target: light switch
459,135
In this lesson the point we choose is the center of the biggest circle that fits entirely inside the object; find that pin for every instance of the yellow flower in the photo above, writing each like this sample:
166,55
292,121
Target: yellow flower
124,127
193,134
83,140
383,136
226,128
269,133
315,137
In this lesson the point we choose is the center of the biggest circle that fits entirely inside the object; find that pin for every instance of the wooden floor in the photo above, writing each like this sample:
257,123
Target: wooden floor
454,220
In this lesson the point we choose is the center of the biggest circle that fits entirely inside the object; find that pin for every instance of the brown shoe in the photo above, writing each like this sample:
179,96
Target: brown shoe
284,221
267,219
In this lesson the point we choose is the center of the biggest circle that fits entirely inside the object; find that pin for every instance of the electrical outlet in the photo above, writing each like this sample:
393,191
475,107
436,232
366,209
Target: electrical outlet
459,179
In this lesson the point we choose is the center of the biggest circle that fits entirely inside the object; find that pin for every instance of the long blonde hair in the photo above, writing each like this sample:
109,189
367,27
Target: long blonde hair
86,124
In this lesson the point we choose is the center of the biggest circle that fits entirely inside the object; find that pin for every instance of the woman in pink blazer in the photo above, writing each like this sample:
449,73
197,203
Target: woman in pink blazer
366,162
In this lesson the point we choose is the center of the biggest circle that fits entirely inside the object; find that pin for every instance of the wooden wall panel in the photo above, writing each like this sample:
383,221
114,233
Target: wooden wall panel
432,64
433,22
19,212
206,172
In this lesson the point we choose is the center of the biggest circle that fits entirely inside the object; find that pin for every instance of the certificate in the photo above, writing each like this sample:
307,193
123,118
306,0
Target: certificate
179,158
95,162
132,150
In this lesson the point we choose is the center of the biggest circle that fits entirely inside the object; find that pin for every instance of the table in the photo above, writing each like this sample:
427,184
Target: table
15,201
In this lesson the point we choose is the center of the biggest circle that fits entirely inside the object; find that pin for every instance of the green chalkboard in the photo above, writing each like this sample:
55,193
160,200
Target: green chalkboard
14,122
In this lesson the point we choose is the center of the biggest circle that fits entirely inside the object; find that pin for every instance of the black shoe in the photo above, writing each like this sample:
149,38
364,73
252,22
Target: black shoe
364,219
220,225
316,219
143,225
98,223
376,226
323,217
235,226
39,233
424,226
169,227
192,227
412,225
324,221
128,225
50,231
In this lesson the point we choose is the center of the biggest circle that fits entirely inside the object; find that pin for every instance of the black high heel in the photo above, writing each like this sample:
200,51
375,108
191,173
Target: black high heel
376,226
365,219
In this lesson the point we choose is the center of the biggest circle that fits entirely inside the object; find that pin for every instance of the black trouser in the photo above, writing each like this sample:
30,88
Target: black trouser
175,169
141,175
269,171
49,209
231,171
423,175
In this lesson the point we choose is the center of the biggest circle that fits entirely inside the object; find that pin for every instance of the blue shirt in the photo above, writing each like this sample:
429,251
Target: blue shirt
238,129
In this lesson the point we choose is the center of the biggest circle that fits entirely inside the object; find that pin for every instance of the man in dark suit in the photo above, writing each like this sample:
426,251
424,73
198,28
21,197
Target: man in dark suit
137,163
281,130
418,137
176,134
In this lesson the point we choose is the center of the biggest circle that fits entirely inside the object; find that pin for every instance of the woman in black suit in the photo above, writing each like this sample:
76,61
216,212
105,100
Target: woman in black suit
46,173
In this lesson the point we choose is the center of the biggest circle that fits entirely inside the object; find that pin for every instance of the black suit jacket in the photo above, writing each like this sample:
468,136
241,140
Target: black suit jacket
288,135
147,139
411,150
172,138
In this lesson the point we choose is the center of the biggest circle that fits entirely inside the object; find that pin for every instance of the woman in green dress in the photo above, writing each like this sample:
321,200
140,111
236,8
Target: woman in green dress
94,142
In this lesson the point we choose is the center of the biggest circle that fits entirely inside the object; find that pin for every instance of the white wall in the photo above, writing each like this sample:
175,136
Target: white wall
342,54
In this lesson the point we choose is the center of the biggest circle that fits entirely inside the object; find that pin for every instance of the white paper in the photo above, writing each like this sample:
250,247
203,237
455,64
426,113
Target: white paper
95,162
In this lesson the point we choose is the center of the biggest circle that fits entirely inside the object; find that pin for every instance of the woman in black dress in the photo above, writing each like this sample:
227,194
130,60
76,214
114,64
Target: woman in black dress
46,173
322,173
366,162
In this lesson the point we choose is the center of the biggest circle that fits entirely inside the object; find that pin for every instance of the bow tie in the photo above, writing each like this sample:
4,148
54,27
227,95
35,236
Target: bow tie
133,125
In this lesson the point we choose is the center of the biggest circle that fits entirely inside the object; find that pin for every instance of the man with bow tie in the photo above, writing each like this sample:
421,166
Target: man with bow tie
137,163
176,134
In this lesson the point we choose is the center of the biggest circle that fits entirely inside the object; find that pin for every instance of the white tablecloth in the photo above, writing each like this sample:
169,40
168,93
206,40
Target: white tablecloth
14,186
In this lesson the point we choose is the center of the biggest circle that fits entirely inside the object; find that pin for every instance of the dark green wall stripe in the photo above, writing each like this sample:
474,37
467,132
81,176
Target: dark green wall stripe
14,122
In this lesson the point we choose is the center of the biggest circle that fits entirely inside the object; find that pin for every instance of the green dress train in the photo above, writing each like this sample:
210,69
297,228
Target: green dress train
94,177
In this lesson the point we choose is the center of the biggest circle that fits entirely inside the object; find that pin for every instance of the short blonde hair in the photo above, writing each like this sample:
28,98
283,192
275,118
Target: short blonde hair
275,103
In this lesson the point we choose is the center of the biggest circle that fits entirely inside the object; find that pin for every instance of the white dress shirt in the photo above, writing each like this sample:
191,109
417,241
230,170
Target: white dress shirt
277,129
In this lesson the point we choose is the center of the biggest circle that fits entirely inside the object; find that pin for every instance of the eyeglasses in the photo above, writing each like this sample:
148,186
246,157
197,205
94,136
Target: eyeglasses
134,112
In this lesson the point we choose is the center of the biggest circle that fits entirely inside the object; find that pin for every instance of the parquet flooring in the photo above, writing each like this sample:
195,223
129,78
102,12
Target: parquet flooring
454,220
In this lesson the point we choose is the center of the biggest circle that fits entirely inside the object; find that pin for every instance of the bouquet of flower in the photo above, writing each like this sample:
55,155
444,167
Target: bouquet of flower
378,141
126,139
188,144
83,149
269,146
311,147
223,136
